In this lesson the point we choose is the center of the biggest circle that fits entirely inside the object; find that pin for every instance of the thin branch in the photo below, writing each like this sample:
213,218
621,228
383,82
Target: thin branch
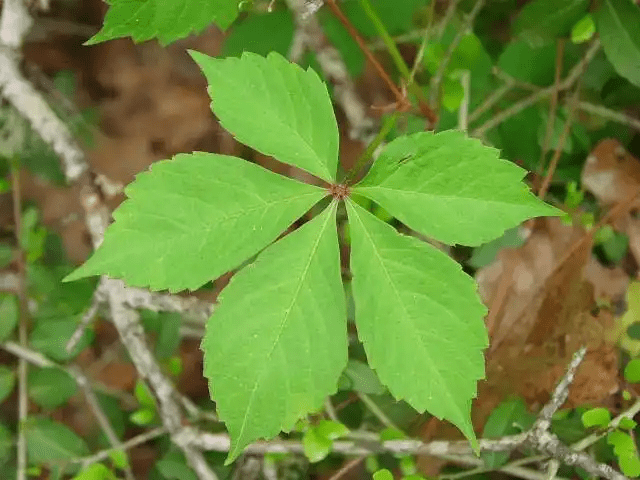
401,100
510,468
36,358
566,131
446,19
8,282
436,81
560,393
129,444
362,444
463,111
510,112
348,466
423,45
14,24
23,314
389,42
536,96
28,102
101,417
85,321
553,105
492,100
377,411
609,114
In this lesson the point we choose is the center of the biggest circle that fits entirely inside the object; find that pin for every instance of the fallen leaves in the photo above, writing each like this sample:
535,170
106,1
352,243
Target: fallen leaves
551,295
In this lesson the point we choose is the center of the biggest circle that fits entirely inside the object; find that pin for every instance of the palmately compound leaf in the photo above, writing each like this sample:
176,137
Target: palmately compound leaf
618,23
165,20
419,318
192,218
276,107
451,187
276,345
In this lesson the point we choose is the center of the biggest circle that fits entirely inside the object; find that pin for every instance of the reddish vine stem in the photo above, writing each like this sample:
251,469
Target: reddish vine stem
553,106
403,104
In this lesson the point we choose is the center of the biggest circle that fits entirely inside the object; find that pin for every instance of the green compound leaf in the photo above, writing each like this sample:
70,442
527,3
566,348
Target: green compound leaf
260,33
450,187
419,318
632,371
165,20
97,471
596,417
618,23
508,418
50,387
7,382
191,219
276,344
49,441
275,107
542,20
625,449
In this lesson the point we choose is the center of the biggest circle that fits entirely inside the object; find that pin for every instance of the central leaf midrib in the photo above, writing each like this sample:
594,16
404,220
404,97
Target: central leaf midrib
280,122
282,325
397,191
225,218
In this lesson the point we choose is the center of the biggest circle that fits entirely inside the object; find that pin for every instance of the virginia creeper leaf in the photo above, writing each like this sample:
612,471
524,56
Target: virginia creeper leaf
542,20
276,107
618,23
419,318
450,187
276,345
190,219
48,441
167,21
508,418
260,33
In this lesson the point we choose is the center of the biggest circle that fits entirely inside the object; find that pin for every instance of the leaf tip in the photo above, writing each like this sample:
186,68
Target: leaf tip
77,274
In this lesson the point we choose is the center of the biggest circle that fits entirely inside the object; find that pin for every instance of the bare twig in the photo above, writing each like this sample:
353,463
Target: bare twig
543,441
8,282
446,19
566,131
510,468
492,99
38,359
436,81
14,24
560,393
553,105
133,442
101,417
463,111
42,118
191,309
347,466
536,96
609,114
86,319
23,401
